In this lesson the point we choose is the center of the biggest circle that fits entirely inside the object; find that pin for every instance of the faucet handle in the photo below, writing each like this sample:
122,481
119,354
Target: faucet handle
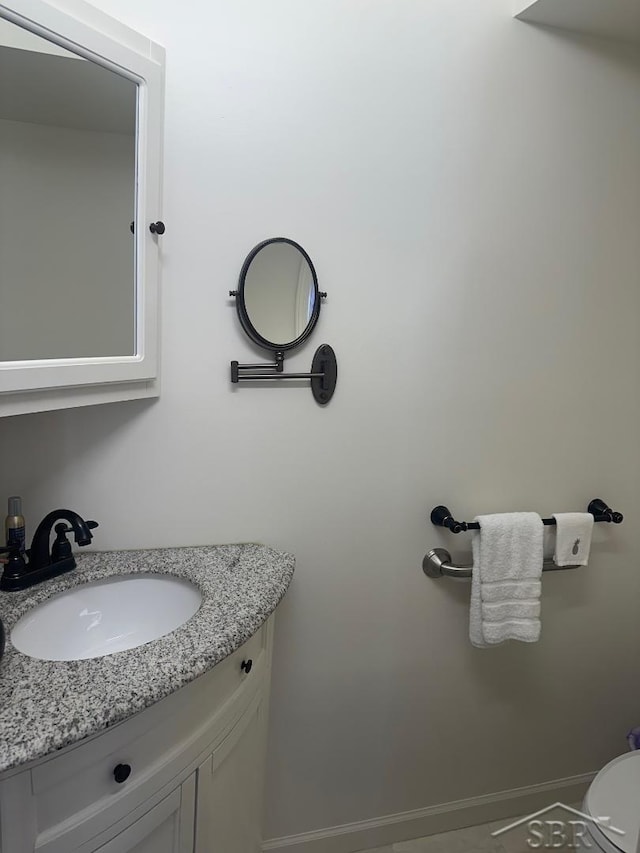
14,567
63,528
61,548
13,551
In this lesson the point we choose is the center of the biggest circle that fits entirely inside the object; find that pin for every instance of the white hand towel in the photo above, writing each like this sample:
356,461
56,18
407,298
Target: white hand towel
573,538
506,579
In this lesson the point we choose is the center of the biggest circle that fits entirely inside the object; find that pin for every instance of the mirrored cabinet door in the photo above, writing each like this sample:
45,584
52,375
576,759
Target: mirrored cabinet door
80,142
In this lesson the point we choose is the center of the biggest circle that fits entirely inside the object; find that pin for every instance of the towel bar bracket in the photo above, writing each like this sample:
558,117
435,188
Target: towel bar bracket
437,564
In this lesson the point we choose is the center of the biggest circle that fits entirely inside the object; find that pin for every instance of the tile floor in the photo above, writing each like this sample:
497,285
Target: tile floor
473,839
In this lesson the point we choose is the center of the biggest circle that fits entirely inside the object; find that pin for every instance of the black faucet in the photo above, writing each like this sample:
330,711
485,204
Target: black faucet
43,563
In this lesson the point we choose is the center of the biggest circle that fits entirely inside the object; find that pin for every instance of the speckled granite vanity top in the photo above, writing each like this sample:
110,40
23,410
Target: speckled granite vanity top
46,705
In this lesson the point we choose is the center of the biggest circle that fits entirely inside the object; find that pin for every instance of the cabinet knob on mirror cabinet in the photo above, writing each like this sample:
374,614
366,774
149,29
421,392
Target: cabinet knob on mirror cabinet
157,227
246,665
121,772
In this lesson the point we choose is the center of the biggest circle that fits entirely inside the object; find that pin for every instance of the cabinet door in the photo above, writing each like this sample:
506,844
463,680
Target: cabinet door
109,350
230,788
165,828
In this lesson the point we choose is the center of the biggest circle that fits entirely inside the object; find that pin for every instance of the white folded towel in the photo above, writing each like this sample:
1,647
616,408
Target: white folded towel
506,579
573,538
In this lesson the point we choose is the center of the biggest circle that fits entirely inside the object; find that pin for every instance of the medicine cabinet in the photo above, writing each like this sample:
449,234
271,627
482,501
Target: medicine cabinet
81,106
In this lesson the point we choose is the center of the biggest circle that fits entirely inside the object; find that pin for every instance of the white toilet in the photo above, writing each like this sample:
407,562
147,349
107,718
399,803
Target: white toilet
615,794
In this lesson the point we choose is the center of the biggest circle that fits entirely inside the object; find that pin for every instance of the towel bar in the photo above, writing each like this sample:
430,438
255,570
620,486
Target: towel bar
441,517
437,564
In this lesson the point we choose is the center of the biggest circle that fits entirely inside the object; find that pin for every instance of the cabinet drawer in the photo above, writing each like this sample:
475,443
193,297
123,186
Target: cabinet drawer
80,786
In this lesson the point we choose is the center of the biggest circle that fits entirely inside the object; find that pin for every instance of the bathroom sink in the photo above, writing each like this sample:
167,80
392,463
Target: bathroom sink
106,616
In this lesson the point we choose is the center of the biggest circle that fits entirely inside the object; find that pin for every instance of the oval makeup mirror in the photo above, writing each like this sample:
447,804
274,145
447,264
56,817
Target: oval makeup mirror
278,305
278,301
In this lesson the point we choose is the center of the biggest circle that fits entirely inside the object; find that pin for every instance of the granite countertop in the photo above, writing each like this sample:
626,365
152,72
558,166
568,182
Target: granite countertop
47,705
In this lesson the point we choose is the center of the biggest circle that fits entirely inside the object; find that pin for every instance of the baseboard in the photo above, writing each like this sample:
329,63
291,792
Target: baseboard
366,834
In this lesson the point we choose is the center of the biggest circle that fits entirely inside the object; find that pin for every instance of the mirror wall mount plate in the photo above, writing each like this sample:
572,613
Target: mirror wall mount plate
278,303
81,106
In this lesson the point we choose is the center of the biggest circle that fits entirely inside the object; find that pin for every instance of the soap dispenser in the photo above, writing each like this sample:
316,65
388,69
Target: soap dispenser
14,524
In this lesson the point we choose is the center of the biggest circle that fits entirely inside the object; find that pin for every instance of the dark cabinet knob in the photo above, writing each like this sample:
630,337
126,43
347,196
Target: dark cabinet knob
121,772
157,227
246,665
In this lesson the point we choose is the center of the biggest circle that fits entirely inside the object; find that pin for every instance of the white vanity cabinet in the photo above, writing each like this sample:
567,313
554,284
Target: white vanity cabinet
165,828
229,789
196,769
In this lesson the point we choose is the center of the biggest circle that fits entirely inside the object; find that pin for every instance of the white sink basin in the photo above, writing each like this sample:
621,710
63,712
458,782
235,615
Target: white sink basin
106,616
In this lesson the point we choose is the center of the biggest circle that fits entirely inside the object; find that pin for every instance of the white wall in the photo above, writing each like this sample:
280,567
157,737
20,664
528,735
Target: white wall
468,189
